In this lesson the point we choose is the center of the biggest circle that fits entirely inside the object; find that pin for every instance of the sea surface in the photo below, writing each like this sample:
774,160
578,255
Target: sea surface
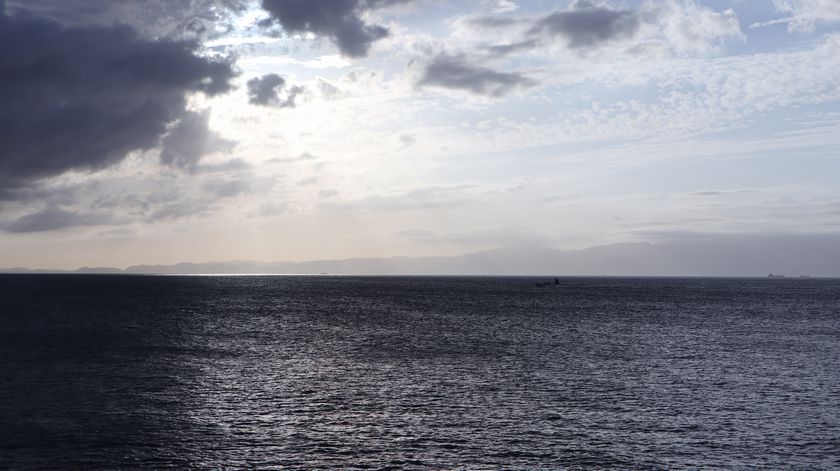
418,372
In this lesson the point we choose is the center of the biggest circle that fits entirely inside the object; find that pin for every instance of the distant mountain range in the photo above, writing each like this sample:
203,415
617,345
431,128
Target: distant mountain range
812,256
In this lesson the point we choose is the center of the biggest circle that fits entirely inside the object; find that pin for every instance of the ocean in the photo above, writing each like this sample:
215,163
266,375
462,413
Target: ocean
119,371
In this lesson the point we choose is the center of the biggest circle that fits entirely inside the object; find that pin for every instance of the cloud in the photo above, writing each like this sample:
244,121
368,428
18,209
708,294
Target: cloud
54,218
190,139
271,90
327,89
688,27
139,198
585,24
230,165
263,90
504,49
505,6
803,15
339,20
407,140
271,209
455,72
493,22
301,158
179,209
229,187
84,98
678,26
151,18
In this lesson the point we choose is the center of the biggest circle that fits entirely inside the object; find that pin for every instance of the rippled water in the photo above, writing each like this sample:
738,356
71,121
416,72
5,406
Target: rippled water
306,372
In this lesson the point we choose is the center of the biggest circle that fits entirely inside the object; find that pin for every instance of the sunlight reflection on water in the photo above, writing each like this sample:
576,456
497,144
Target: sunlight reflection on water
332,372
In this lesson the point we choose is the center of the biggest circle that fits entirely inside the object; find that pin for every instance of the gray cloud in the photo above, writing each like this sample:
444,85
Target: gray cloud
237,184
271,90
494,21
228,188
718,192
151,18
455,72
54,218
189,140
503,49
83,98
114,199
179,209
230,165
263,90
407,140
41,192
586,24
339,20
583,25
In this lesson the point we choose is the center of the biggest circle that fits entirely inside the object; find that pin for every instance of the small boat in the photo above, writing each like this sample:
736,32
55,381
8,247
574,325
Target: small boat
543,284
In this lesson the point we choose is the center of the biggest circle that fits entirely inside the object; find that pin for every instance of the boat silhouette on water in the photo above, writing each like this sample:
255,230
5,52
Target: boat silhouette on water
543,284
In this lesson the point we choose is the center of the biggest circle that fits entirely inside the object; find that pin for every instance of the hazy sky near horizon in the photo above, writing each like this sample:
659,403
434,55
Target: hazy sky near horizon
159,131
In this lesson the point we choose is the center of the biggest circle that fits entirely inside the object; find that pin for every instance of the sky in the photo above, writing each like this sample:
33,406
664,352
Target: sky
161,131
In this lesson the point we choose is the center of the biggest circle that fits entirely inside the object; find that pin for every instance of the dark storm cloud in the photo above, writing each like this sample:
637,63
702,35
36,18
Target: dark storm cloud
339,20
586,24
271,90
455,72
152,18
53,218
83,98
189,140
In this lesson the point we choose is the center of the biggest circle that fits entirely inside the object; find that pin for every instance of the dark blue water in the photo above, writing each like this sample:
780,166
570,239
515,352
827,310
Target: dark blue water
328,372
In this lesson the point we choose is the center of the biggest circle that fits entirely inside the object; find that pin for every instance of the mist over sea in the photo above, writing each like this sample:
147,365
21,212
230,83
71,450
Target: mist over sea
122,371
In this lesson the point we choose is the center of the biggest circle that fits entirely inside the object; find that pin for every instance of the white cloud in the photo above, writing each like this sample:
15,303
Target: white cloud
804,15
581,158
505,6
690,28
332,61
